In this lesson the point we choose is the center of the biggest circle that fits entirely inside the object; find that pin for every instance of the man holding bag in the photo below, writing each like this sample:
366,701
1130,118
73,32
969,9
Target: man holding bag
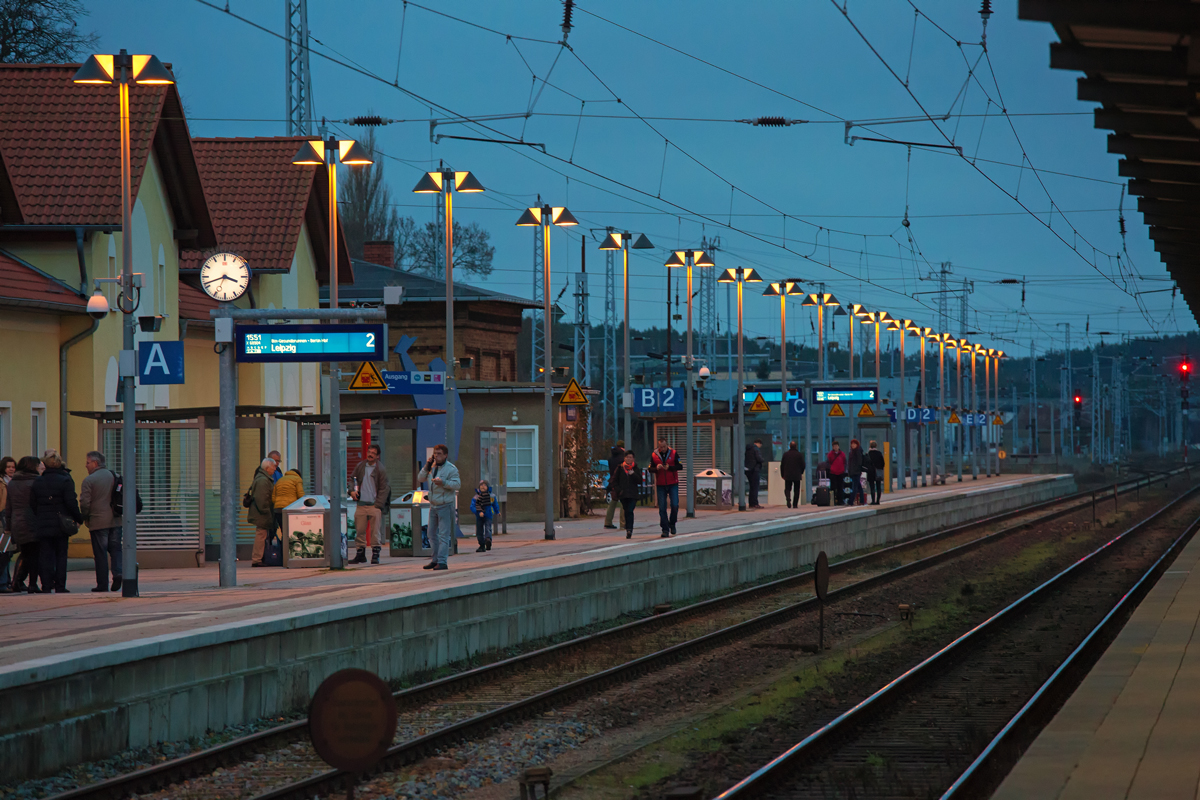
444,484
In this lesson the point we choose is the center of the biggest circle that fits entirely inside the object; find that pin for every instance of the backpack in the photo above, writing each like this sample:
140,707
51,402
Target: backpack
117,501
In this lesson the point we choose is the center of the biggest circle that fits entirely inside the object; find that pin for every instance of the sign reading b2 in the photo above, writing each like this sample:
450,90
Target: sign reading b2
666,400
159,363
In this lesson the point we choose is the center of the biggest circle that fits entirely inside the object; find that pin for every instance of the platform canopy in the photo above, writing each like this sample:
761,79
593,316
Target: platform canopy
185,414
1137,61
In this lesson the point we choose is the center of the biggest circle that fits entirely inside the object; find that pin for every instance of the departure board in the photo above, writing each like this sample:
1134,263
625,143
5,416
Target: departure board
311,343
828,395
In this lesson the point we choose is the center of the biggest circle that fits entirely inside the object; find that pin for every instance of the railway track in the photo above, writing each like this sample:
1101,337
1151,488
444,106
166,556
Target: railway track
953,725
443,712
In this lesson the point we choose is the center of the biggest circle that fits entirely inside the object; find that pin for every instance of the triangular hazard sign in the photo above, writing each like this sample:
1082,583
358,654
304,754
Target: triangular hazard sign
997,420
573,396
836,411
759,405
866,411
954,420
367,379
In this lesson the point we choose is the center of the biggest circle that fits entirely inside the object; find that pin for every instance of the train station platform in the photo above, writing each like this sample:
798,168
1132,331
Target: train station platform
1132,728
85,675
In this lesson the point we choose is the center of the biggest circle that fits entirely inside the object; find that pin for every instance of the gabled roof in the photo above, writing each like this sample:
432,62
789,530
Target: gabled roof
24,285
60,151
259,200
369,280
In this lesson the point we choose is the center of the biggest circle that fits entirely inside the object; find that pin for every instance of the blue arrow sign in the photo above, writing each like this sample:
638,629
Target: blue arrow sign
414,382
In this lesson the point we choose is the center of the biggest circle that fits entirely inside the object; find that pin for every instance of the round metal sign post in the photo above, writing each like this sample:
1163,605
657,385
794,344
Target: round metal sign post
352,721
821,585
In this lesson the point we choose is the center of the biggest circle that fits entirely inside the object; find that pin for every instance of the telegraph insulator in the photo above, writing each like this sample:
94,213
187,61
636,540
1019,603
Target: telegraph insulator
772,122
368,121
568,9
985,10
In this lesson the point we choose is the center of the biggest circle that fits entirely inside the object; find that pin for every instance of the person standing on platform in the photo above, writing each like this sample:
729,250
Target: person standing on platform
18,521
627,486
8,468
372,490
96,505
665,464
56,516
837,473
287,490
856,464
483,506
754,465
875,470
260,513
444,484
791,469
277,457
615,459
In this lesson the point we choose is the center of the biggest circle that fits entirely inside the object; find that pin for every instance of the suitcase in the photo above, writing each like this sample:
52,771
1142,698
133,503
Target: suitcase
821,496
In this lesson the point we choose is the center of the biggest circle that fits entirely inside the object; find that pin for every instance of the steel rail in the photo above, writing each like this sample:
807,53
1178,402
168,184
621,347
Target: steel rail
767,777
237,750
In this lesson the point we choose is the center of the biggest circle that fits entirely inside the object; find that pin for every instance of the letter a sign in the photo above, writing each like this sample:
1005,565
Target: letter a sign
159,363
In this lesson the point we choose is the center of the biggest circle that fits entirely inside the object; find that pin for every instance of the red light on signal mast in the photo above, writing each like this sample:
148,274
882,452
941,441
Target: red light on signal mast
1185,367
1078,399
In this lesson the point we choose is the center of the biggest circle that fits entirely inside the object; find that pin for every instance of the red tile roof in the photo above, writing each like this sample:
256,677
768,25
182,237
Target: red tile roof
194,304
259,200
60,150
24,285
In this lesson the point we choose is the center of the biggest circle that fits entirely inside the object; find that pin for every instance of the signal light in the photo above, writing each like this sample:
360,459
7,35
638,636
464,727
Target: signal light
1078,400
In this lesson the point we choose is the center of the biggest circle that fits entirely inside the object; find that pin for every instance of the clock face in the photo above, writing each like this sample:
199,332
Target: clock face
225,276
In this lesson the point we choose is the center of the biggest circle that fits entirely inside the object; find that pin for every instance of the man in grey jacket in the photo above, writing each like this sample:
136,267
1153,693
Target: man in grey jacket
95,503
444,484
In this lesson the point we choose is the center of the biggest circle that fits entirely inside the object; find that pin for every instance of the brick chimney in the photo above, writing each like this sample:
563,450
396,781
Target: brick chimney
380,253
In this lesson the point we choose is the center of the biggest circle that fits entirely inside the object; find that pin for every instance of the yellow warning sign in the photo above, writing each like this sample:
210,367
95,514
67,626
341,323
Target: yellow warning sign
1002,454
367,379
954,420
759,405
997,420
836,410
573,396
866,411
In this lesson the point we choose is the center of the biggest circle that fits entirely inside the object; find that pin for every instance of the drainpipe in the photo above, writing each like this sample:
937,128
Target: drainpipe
83,287
62,385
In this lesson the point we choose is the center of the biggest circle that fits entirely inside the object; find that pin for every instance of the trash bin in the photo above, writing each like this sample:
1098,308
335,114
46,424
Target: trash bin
306,532
714,489
410,521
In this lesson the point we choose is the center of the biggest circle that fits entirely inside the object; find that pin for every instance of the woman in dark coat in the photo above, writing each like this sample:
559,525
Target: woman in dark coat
875,470
53,500
18,520
627,486
854,470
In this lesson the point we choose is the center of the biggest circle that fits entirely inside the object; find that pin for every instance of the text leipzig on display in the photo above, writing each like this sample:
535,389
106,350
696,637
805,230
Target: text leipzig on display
311,343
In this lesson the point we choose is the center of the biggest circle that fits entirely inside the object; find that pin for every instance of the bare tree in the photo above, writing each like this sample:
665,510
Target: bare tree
473,251
366,209
43,31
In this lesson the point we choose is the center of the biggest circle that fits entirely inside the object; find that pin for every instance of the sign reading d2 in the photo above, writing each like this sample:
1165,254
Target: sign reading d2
160,362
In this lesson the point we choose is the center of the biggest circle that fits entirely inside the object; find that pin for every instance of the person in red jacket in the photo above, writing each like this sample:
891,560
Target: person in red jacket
837,473
665,464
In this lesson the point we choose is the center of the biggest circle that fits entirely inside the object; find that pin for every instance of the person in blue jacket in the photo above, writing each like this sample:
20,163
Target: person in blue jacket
483,505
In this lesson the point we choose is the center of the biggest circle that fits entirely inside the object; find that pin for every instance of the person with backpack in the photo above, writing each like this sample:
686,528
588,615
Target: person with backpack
96,505
56,519
260,512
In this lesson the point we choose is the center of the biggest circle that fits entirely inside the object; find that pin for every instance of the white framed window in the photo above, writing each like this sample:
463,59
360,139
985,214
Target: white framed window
37,428
6,442
521,454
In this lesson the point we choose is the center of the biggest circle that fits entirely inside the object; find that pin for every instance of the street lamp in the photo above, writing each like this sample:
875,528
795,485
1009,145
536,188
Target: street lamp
124,70
620,241
901,325
740,276
784,290
545,216
443,181
997,355
821,300
975,350
922,333
964,429
942,339
689,259
328,153
876,318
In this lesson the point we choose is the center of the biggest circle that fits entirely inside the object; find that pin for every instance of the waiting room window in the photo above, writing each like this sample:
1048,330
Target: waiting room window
522,456
37,429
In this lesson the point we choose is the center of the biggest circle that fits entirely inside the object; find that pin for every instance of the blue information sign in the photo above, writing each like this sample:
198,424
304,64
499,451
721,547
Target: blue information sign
308,343
828,395
159,363
407,382
668,399
921,414
797,407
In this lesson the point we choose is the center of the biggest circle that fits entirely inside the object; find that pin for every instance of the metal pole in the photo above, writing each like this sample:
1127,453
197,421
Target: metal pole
941,423
962,425
739,472
337,456
922,429
548,425
808,484
974,410
690,370
626,399
987,414
902,422
451,361
821,361
129,585
783,394
996,389
228,465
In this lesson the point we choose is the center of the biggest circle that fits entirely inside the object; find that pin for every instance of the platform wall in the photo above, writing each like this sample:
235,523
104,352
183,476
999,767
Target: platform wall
61,711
